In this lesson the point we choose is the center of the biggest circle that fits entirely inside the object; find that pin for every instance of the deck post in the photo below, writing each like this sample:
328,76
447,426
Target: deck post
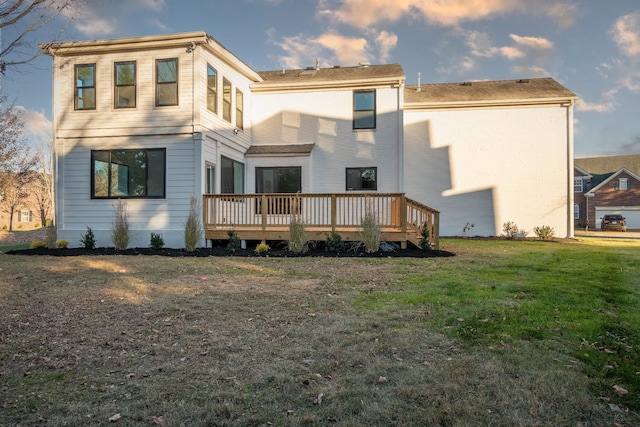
334,212
403,220
264,212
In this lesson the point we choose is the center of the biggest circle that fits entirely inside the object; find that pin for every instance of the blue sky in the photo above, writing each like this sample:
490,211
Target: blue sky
590,46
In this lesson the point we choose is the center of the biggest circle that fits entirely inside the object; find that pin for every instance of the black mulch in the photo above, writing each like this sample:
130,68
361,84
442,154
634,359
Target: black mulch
221,251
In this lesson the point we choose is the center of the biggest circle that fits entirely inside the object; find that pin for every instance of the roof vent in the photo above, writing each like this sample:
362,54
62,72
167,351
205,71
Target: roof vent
523,81
336,66
309,68
364,64
465,84
419,89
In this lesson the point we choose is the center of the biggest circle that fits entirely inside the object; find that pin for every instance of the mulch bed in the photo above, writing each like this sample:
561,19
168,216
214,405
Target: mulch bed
221,251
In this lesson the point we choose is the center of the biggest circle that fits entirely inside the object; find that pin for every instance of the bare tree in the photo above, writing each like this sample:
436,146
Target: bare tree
15,193
41,184
15,156
26,17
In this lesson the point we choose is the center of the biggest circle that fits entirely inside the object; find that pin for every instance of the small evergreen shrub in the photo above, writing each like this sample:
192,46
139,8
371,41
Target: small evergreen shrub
62,244
262,248
37,225
88,240
234,243
120,234
370,234
157,242
544,232
297,241
334,242
193,227
37,244
424,242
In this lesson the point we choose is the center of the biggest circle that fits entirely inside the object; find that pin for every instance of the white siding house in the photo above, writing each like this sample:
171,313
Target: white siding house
157,120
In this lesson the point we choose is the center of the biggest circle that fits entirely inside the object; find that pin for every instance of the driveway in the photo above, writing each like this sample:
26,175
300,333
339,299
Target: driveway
631,234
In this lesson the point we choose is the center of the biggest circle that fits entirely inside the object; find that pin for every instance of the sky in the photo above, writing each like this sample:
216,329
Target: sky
590,46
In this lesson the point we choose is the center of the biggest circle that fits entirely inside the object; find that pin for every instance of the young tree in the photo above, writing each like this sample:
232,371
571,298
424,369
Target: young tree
26,17
15,193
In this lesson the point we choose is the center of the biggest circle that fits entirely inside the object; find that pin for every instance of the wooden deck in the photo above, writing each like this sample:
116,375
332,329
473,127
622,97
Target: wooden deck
267,216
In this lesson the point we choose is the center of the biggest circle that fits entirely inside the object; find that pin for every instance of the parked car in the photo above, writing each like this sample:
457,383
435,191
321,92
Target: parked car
613,222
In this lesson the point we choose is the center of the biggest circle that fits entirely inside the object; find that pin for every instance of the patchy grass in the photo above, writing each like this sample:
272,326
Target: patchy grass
505,333
15,247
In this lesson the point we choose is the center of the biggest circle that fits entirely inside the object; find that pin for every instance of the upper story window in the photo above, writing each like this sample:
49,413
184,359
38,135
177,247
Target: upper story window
239,110
362,179
128,173
622,184
226,100
167,82
125,84
578,184
85,87
212,89
364,109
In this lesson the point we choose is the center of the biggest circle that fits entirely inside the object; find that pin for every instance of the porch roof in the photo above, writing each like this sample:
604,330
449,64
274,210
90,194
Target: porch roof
280,150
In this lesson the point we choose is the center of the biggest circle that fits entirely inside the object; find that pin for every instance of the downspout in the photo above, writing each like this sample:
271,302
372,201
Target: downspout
570,164
400,136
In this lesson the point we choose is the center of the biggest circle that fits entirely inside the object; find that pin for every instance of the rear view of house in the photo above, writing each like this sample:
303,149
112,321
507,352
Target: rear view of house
157,120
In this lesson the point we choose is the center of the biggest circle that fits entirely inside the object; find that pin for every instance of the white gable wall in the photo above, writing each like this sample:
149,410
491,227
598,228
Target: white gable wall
326,119
490,166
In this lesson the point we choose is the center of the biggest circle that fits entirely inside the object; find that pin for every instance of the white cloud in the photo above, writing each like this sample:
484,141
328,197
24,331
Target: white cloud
603,107
97,18
532,49
386,41
348,50
534,43
626,33
36,124
460,66
96,26
365,13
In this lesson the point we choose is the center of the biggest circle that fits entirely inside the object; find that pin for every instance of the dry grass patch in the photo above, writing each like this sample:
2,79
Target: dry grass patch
261,342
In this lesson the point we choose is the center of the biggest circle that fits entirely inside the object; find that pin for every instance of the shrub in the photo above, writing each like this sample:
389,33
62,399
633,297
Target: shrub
297,241
19,226
193,227
157,242
52,236
424,243
262,248
511,230
467,228
544,232
38,244
4,227
334,242
370,234
120,234
88,240
234,242
37,225
62,244
48,222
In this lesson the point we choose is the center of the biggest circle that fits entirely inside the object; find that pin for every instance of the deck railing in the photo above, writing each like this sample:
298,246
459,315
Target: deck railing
267,216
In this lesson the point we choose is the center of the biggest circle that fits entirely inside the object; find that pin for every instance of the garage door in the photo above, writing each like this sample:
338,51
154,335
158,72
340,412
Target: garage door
631,213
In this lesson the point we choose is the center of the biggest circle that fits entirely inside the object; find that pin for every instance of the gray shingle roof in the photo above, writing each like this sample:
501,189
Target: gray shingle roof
288,149
498,90
609,164
336,74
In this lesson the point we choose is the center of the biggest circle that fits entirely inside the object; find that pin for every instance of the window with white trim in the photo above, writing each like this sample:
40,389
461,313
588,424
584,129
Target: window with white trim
622,184
576,211
25,215
578,184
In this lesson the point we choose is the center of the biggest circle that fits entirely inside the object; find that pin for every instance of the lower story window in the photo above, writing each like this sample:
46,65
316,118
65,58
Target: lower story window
231,176
128,173
362,179
576,211
279,180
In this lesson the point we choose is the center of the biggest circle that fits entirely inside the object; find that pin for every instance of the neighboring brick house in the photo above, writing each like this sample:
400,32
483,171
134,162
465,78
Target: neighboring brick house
607,185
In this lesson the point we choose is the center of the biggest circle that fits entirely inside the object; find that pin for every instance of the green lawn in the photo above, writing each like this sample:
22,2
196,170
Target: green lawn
504,333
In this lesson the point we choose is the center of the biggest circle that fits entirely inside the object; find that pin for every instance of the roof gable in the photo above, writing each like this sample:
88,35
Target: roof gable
612,177
609,164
